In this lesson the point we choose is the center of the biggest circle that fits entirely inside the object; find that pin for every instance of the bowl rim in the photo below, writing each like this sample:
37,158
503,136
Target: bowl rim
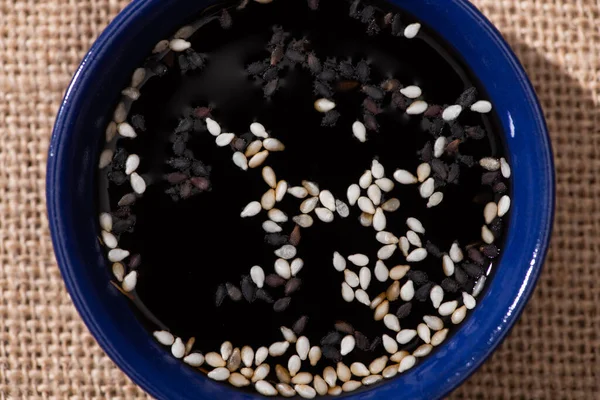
63,131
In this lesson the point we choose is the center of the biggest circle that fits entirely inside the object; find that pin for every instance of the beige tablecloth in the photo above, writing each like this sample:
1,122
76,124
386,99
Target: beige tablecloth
47,353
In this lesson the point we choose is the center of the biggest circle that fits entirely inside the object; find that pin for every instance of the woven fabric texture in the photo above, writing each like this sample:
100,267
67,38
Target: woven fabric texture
46,352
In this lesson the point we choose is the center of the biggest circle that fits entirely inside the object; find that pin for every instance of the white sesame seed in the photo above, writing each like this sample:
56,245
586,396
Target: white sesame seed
413,238
415,225
214,360
384,237
118,271
406,335
347,292
381,271
327,199
366,205
353,194
459,315
178,348
138,77
238,380
456,253
427,188
385,184
261,355
258,130
267,200
351,278
398,272
253,148
360,260
240,160
365,219
412,92
109,240
273,144
280,190
404,177
503,205
374,193
392,322
311,187
213,127
282,268
126,130
447,265
469,301
277,215
116,255
320,385
258,159
265,388
434,323
407,291
362,297
436,295
422,350
439,337
137,183
324,214
417,107
164,337
447,308
490,164
294,364
351,386
271,227
278,349
366,179
304,221
296,266
380,221
417,255
339,263
194,359
132,163
487,235
120,114
435,199
224,139
391,371
105,158
179,45
423,172
302,347
252,209
359,131
282,374
342,208
302,378
285,390
389,344
261,372
314,355
479,286
482,106
393,291
226,350
248,354
105,221
404,245
359,369
386,251
377,170
505,168
378,364
219,374
305,391
324,105
381,310
343,372
365,278
489,212
451,113
397,357
330,376
298,192
288,334
407,363
412,30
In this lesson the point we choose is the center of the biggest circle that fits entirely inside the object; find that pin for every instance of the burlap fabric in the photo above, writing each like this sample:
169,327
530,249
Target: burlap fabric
47,353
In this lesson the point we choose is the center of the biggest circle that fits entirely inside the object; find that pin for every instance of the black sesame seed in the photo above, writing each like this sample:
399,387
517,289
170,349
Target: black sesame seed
135,261
433,111
282,304
467,98
422,294
328,75
185,125
457,130
314,64
344,327
363,71
118,161
124,225
397,25
331,339
176,177
354,9
300,325
234,293
264,296
373,28
476,256
404,310
418,277
257,68
473,270
271,87
362,342
488,178
453,173
376,342
370,122
121,212
346,69
295,56
398,100
270,74
138,122
178,147
313,4
426,153
331,353
323,89
292,286
127,200
433,249
330,118
199,169
450,285
117,177
274,280
220,295
371,106
248,289
475,132
225,19
181,163
367,14
460,275
197,60
374,92
276,239
500,188
436,127
390,85
490,250
439,168
467,160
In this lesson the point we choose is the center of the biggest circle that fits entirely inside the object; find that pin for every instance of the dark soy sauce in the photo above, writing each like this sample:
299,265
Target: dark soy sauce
190,247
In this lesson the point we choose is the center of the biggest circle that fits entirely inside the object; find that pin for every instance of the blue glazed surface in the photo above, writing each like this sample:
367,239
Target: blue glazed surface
70,195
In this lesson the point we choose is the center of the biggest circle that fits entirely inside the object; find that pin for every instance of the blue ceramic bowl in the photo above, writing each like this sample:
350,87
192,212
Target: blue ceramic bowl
73,220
